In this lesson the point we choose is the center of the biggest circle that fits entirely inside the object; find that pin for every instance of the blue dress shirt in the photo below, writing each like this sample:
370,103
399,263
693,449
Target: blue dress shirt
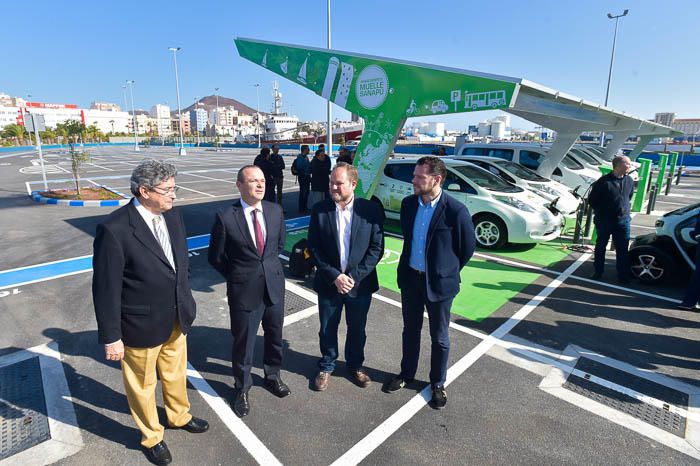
420,233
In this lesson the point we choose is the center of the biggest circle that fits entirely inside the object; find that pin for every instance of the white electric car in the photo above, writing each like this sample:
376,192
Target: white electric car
502,212
559,195
569,172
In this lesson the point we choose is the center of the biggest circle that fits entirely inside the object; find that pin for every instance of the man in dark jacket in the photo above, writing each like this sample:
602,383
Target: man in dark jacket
301,168
610,198
144,304
264,162
346,243
320,173
438,242
692,293
277,172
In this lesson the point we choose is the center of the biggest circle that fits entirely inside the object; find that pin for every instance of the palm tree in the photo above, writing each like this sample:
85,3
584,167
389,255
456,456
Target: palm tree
48,136
111,122
14,131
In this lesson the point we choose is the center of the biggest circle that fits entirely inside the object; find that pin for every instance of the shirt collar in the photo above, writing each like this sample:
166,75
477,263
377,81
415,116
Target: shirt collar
248,208
348,206
433,203
145,213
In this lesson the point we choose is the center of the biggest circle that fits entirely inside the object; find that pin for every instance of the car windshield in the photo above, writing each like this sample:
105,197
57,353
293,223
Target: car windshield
683,210
586,157
571,163
485,179
520,171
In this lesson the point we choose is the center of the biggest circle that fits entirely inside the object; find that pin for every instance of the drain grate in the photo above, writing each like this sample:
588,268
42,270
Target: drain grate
667,418
23,420
295,303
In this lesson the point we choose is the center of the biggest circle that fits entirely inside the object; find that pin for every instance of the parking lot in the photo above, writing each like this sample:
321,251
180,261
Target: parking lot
546,366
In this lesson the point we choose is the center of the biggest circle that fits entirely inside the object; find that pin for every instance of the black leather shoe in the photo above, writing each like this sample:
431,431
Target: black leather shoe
596,276
278,387
439,399
395,384
240,403
159,453
195,426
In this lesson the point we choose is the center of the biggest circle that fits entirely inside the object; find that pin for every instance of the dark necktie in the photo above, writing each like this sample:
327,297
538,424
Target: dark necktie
259,239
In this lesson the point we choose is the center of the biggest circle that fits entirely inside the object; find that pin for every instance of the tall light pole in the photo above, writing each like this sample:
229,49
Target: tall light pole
329,110
196,117
612,60
181,151
130,83
216,119
257,113
26,106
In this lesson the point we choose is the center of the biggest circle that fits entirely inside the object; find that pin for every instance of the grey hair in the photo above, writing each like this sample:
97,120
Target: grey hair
150,173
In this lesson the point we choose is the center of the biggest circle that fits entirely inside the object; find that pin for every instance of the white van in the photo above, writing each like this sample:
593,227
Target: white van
569,172
559,195
502,212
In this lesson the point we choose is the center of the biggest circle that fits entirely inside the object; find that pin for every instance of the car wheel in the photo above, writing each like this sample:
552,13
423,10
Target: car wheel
491,232
650,264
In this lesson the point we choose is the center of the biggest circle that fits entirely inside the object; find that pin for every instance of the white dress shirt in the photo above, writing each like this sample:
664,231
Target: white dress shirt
247,213
343,220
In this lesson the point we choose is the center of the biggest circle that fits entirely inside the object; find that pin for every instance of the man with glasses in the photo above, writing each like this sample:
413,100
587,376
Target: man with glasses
438,242
144,304
246,240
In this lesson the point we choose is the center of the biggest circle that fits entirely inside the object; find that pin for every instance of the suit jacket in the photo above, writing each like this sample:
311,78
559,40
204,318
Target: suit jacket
450,244
233,253
137,294
366,247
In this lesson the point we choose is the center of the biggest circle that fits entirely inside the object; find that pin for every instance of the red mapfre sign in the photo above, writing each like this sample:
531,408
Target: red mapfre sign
43,105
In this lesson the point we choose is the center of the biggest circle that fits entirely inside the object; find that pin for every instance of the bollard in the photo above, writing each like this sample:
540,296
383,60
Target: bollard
663,161
642,185
678,175
673,161
652,199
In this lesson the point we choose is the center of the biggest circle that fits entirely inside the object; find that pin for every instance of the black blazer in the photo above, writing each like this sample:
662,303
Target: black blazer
366,247
137,294
233,253
449,245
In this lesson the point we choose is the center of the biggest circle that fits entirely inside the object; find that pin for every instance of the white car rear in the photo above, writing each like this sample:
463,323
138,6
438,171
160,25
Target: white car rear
502,212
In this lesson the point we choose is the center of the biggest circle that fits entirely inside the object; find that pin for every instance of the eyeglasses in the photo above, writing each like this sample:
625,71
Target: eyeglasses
166,192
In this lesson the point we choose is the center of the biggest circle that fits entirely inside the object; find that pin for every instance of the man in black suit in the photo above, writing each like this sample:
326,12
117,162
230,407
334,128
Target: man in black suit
246,240
438,241
346,242
144,305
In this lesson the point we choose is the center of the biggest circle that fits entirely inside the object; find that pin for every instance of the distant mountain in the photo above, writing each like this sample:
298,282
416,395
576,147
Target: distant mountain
209,103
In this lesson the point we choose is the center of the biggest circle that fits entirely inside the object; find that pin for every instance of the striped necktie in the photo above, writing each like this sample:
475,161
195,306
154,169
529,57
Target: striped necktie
163,239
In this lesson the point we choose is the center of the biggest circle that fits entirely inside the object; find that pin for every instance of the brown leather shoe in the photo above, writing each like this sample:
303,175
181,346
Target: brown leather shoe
321,381
361,379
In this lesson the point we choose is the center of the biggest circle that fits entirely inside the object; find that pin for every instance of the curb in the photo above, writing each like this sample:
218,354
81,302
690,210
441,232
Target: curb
76,203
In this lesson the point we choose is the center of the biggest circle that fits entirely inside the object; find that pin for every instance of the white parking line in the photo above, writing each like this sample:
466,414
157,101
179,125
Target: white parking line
387,428
195,191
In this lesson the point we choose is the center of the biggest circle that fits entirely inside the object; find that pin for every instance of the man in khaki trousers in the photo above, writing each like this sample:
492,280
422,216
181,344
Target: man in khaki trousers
144,304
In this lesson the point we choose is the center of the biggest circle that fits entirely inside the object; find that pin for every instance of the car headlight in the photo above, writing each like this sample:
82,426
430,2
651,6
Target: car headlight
588,179
514,202
659,223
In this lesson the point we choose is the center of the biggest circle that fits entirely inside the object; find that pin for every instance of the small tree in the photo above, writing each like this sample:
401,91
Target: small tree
15,131
74,131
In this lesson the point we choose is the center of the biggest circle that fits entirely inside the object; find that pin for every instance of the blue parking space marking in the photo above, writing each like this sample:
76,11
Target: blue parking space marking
49,271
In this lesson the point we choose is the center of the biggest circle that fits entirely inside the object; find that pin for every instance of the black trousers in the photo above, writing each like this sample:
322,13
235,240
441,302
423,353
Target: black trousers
244,328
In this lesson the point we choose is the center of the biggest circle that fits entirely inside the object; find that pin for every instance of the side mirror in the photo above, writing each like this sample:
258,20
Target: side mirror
557,172
454,187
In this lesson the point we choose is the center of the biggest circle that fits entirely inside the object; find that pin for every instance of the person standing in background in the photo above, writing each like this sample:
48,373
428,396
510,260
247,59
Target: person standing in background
301,168
320,176
278,167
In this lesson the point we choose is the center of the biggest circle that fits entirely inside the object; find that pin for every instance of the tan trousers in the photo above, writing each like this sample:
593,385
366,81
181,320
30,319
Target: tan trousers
139,370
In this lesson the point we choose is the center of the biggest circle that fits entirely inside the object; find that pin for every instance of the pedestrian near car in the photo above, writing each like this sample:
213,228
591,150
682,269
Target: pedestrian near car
301,168
246,241
610,199
320,176
263,161
344,155
692,293
278,167
438,242
346,242
144,305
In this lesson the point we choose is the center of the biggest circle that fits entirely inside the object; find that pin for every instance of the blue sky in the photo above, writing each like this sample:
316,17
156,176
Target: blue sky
81,51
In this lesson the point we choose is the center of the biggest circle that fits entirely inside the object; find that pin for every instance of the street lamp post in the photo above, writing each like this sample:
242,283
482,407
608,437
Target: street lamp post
29,133
612,60
328,103
257,113
181,151
216,119
196,117
130,83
